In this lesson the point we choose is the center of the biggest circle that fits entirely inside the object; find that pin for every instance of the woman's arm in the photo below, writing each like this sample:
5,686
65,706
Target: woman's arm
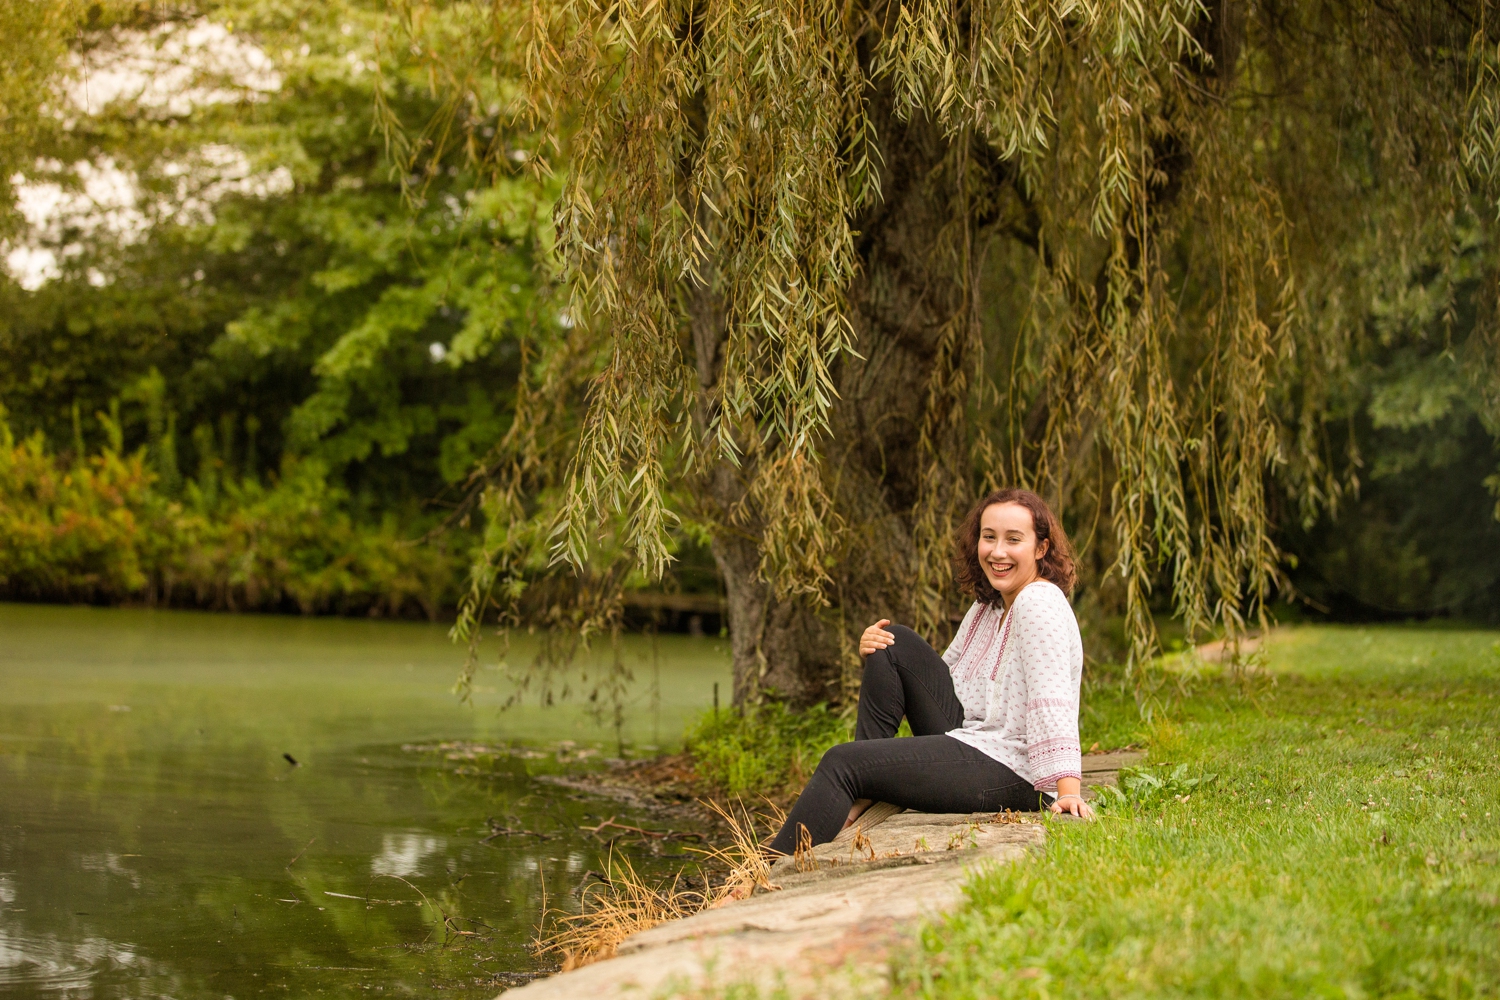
1047,635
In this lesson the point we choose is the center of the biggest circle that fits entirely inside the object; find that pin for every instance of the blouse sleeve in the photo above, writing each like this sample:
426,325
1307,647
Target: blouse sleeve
1047,636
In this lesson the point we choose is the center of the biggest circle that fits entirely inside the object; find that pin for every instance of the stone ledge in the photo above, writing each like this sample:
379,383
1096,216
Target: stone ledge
917,836
827,930
825,937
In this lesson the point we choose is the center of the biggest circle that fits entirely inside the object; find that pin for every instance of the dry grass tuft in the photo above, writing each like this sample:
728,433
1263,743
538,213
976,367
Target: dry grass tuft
1006,817
613,909
748,862
861,845
624,903
802,855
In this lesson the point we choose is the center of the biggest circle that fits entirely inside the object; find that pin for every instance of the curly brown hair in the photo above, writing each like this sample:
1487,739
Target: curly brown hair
1057,565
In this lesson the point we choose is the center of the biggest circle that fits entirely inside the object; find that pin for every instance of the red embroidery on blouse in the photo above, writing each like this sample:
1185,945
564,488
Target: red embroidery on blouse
976,663
969,635
1004,635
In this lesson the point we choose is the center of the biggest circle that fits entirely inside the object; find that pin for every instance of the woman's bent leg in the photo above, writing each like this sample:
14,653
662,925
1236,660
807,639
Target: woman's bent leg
926,773
907,679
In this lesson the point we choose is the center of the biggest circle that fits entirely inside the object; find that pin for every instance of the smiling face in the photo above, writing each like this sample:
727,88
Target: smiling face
1008,548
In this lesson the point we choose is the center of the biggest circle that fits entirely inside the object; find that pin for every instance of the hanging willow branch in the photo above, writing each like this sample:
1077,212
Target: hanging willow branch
1147,238
732,145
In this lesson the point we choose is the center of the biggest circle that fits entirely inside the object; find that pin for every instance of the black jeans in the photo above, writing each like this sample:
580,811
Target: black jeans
929,772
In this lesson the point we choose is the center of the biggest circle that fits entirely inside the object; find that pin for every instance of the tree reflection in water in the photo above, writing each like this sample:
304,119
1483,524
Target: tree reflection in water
155,842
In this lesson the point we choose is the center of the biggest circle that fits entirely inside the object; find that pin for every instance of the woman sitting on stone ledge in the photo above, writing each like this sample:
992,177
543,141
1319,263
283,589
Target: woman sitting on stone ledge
995,718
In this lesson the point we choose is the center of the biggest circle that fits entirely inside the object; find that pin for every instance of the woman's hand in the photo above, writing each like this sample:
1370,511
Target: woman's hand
1070,801
876,637
1073,805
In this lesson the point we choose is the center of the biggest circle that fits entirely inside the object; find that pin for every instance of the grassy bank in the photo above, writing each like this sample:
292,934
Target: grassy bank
1347,845
765,751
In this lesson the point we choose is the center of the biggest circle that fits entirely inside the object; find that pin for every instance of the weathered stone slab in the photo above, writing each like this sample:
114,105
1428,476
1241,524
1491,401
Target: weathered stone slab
886,831
909,833
824,938
826,931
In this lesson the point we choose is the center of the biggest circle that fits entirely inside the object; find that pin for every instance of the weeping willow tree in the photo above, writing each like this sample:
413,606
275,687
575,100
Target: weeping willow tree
834,267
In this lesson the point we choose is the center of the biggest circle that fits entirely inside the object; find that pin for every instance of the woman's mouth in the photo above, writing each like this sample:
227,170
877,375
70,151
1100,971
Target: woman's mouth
1001,570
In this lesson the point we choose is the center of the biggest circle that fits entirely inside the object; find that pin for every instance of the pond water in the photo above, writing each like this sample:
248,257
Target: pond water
156,842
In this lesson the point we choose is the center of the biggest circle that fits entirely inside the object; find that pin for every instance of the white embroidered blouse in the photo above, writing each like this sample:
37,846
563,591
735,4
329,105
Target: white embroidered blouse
1017,677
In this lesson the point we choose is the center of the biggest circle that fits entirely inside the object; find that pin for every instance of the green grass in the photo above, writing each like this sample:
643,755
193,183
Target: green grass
766,750
1347,845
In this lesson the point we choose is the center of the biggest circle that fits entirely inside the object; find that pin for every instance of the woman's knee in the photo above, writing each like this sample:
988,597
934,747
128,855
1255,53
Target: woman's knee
880,673
840,755
904,636
843,770
885,659
913,653
838,763
877,665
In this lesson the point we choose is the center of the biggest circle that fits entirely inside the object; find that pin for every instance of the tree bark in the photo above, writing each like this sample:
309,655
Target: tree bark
782,648
906,293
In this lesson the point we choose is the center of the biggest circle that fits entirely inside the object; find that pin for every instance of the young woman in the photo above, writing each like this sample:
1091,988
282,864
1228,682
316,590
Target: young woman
994,720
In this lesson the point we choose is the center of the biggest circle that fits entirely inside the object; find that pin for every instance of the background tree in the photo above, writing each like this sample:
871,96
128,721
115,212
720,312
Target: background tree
1219,280
857,261
231,264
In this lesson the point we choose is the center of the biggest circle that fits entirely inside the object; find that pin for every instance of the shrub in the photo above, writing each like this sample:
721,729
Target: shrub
98,529
766,750
72,532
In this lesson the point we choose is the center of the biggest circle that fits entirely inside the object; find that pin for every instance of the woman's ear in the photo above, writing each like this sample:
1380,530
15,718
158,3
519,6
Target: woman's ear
1042,548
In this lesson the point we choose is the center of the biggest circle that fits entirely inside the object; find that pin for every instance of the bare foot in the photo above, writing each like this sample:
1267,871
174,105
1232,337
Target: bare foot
856,811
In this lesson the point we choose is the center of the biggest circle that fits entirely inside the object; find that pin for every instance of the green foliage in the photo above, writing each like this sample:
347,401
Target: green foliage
1418,542
1186,299
326,308
333,328
764,750
1346,848
1416,534
71,531
95,528
1209,348
34,41
1411,408
1143,787
316,354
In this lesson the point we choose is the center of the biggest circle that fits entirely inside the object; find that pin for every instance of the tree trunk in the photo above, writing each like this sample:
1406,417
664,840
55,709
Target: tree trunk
782,648
906,294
